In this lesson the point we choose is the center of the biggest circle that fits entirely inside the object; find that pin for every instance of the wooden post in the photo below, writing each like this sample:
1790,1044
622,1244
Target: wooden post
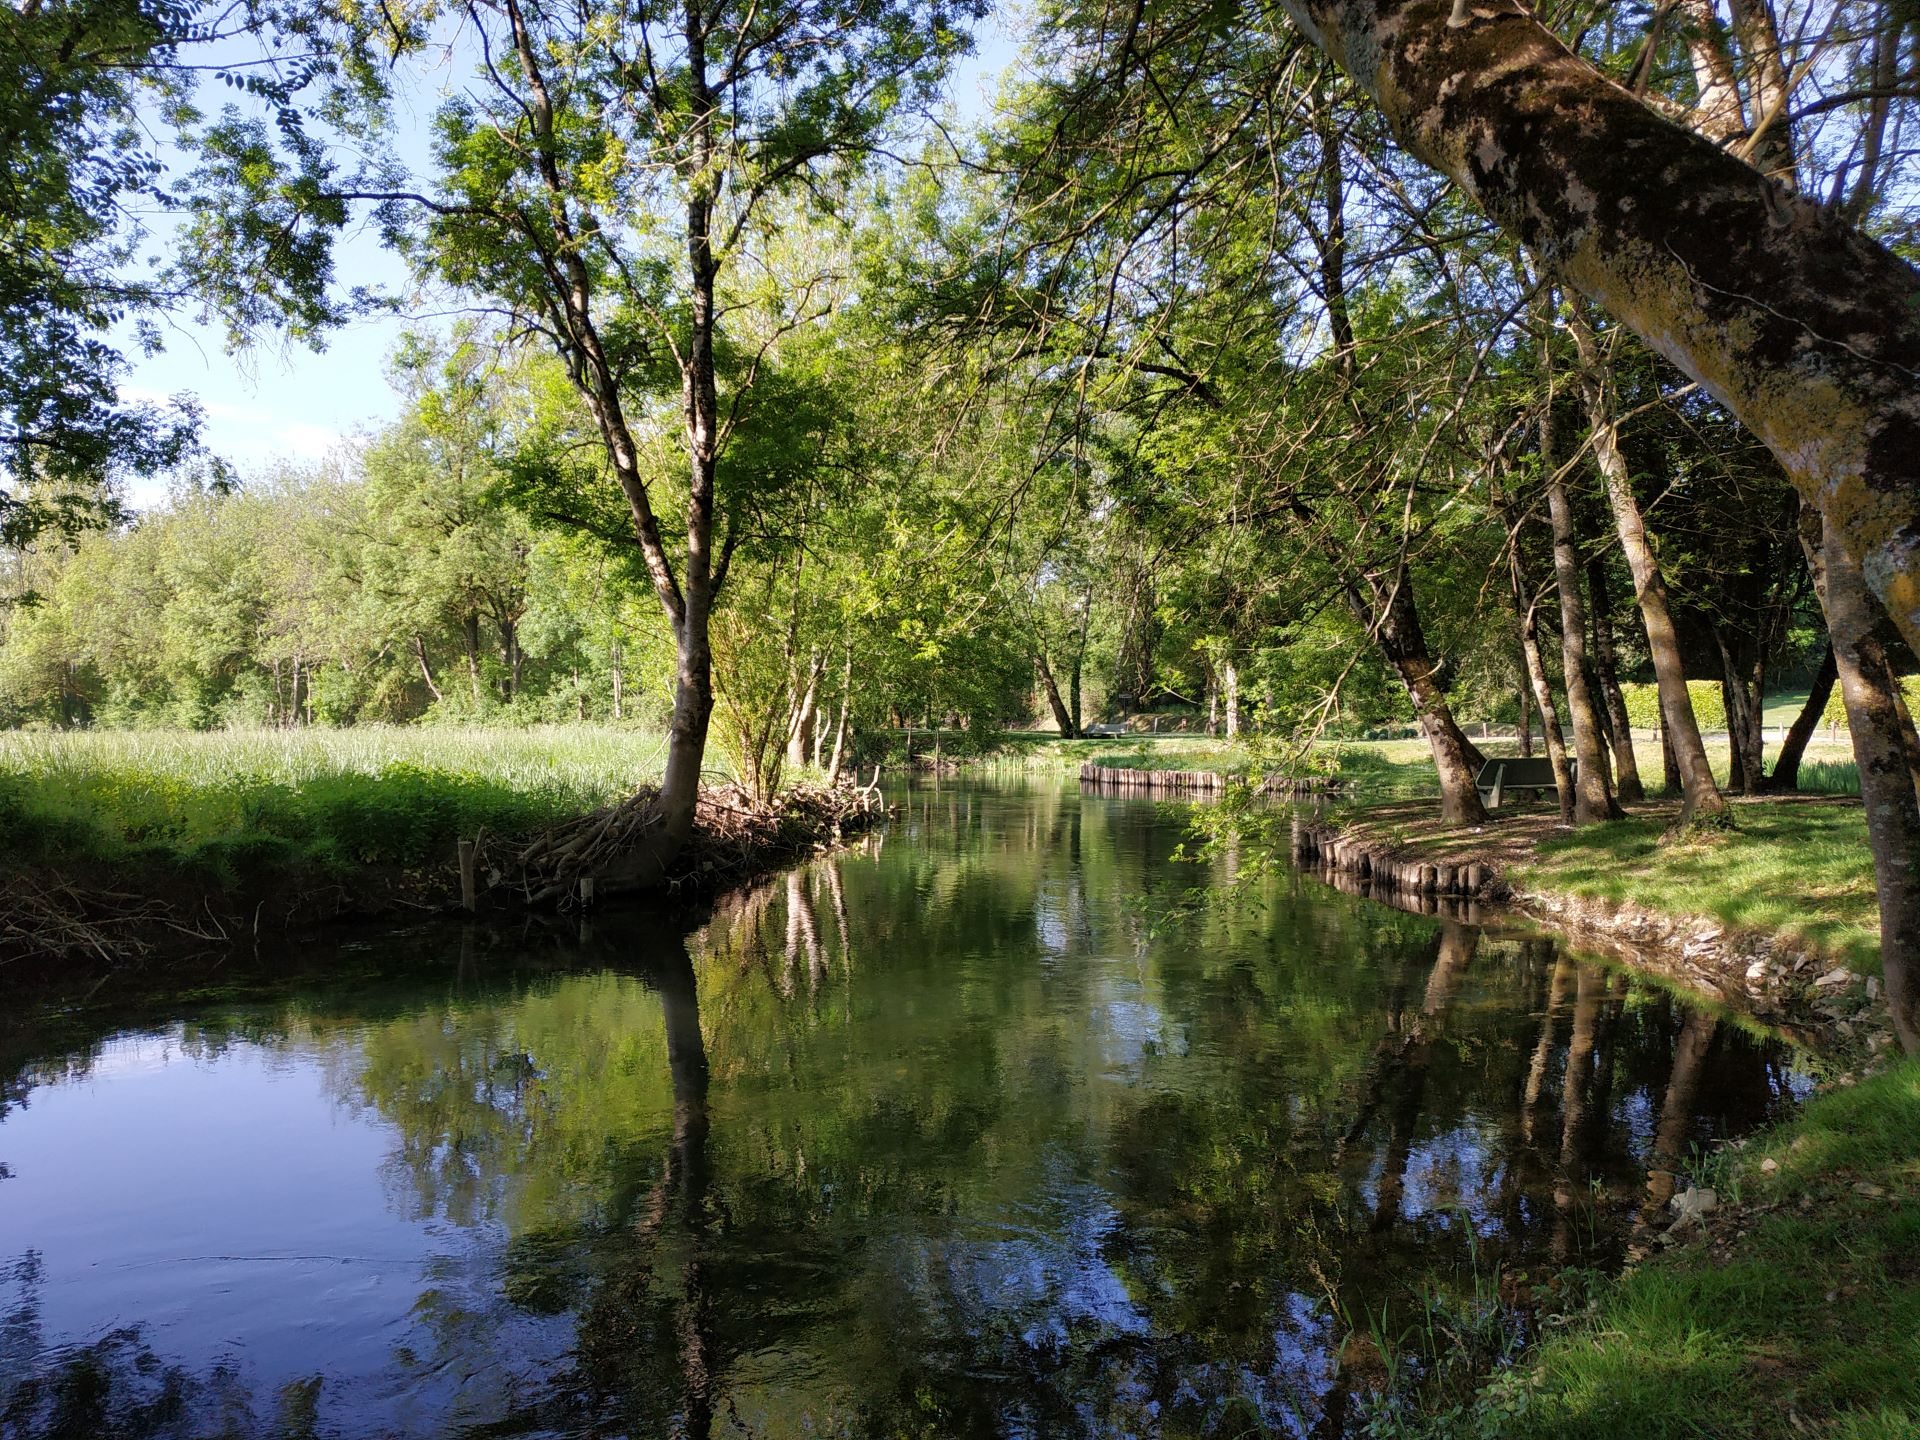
469,898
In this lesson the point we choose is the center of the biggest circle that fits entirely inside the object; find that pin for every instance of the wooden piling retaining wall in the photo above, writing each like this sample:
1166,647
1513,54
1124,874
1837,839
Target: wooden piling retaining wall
1324,848
1107,777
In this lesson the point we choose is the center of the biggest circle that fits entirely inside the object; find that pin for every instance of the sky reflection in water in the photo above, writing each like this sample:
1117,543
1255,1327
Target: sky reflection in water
947,1135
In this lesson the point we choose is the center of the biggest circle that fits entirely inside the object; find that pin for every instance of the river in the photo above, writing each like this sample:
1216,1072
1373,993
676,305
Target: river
1004,1122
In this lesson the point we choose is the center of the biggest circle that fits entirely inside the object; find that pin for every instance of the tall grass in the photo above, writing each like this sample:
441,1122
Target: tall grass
236,800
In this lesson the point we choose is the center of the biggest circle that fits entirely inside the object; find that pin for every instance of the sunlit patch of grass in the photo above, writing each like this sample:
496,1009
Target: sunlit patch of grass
1789,868
236,800
1809,1324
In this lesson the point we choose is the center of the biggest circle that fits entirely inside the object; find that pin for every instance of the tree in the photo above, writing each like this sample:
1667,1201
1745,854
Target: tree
1802,325
589,136
74,78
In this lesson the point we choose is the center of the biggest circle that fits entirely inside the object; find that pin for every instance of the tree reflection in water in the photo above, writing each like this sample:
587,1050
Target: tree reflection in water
980,1134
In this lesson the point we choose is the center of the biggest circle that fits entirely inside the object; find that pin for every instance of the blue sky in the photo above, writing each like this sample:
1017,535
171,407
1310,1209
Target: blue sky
286,402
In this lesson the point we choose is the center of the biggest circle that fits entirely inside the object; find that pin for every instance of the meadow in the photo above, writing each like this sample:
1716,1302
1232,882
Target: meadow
230,800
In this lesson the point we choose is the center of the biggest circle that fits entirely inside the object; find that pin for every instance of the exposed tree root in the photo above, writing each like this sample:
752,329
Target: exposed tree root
105,915
581,860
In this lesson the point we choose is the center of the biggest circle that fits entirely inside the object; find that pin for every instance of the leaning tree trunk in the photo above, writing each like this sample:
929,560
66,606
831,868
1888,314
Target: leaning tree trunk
800,724
1626,764
1394,623
1786,769
1886,786
1803,326
1062,717
1700,796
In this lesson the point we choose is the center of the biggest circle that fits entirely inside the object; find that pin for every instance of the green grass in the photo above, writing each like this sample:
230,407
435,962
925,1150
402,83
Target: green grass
1807,1324
237,801
1790,868
1388,768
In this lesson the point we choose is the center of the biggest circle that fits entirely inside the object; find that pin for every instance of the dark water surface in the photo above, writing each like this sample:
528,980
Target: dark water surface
974,1131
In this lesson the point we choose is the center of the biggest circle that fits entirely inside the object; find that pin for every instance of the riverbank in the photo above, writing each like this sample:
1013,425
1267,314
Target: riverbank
136,847
1788,1307
1777,915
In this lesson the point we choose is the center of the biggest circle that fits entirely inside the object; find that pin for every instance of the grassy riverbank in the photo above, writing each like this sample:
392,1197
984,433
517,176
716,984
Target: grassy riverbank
1795,867
1793,1311
1375,768
228,801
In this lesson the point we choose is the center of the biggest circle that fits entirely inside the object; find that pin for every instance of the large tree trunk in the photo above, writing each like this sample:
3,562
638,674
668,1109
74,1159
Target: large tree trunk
1804,327
1909,737
700,396
1886,786
1230,674
1593,798
1786,769
1062,717
687,598
1700,796
1626,764
1394,622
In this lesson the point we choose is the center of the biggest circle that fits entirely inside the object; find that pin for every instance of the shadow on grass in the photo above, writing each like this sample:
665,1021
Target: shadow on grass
1792,868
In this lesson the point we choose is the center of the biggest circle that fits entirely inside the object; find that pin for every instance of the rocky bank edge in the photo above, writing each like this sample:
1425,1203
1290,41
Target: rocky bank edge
1830,1006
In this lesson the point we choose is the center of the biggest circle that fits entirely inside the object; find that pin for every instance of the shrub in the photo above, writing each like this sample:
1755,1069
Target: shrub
1643,705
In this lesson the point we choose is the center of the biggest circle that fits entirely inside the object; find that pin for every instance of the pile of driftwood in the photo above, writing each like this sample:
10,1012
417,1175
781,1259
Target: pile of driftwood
48,918
602,853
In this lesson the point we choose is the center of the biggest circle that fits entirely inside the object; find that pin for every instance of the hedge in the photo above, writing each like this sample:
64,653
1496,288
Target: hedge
1643,705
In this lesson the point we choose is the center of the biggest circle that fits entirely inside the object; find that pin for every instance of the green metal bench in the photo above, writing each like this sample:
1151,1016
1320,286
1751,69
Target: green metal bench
1501,778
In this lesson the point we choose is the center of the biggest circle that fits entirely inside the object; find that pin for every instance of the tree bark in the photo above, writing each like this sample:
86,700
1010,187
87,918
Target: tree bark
1527,607
1805,328
1626,764
839,757
1700,796
1743,687
1909,737
1525,726
1079,660
1593,795
1786,769
693,675
470,638
800,723
1231,703
1394,622
1062,717
1886,785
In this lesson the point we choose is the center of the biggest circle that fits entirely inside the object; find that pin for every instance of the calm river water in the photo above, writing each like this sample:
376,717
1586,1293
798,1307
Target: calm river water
987,1128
